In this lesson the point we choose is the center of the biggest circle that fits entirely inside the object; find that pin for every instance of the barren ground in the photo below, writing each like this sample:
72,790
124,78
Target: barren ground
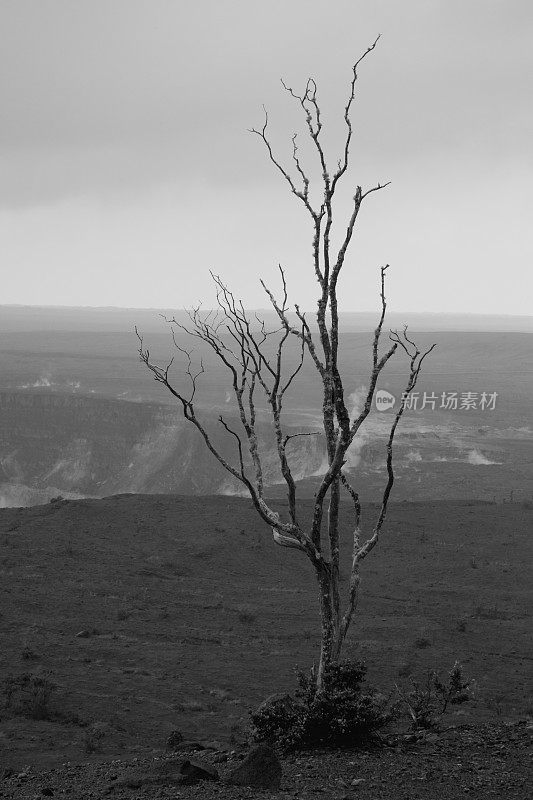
190,616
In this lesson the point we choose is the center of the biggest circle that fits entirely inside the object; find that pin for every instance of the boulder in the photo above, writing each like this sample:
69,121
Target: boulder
194,772
260,769
173,772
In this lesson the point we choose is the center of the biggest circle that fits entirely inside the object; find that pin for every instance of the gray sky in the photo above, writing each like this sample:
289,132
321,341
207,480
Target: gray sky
126,169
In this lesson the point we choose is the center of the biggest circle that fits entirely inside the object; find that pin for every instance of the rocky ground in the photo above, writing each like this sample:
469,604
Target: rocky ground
491,760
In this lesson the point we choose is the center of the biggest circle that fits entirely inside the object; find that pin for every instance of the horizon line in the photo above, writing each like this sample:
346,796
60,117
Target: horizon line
262,310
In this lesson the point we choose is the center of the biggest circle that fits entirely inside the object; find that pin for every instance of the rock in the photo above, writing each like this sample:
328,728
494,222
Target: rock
215,745
260,769
187,745
83,634
168,772
47,791
194,772
184,771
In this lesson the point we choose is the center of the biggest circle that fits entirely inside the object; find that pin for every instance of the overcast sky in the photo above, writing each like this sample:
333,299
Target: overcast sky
127,172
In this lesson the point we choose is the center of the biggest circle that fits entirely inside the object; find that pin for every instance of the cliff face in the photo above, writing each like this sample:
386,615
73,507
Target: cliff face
76,446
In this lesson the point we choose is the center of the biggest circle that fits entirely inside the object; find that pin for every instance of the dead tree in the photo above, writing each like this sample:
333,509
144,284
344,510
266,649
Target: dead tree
255,359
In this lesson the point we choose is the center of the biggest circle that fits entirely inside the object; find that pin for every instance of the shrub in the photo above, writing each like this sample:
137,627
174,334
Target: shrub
29,695
28,654
489,612
246,617
341,714
93,736
428,701
405,669
422,642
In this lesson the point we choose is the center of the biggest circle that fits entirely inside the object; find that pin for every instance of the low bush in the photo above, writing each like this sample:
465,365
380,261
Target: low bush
343,713
29,695
246,617
405,669
427,701
93,737
489,612
28,654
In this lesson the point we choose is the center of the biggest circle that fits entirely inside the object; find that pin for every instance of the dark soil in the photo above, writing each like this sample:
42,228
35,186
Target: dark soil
149,614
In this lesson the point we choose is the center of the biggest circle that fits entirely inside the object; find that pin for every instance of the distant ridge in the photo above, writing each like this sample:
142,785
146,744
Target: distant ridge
19,318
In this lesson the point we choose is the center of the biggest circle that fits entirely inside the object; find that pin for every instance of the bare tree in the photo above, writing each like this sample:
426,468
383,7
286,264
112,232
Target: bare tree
256,361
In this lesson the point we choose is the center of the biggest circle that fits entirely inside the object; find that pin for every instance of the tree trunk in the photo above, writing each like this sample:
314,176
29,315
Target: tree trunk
333,533
330,622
